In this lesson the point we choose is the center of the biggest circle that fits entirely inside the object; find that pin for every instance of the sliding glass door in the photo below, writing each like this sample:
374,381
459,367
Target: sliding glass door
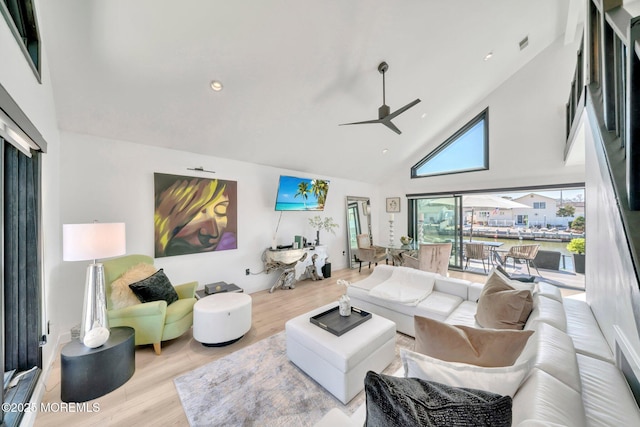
437,220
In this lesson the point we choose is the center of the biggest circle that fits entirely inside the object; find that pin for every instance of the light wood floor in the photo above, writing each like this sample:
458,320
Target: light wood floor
149,398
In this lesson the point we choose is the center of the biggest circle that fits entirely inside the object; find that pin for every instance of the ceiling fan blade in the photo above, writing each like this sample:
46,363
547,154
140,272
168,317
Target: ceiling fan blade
361,123
403,109
384,112
387,123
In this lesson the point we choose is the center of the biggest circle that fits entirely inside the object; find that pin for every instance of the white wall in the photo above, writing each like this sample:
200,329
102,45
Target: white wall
526,134
112,181
612,287
36,100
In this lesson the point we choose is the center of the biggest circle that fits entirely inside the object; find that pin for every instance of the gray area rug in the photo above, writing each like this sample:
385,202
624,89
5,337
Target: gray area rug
259,386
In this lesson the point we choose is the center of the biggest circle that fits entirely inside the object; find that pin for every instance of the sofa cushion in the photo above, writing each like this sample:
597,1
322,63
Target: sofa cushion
438,305
584,330
548,290
502,307
482,347
405,286
155,288
452,286
474,291
121,294
395,401
605,394
543,400
502,380
464,314
547,310
551,350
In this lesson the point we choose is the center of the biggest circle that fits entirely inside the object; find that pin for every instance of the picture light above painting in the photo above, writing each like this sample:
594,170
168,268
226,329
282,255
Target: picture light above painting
301,194
194,215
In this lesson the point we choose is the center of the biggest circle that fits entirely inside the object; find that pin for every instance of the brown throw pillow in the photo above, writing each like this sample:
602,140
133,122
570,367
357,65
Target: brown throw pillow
483,347
502,307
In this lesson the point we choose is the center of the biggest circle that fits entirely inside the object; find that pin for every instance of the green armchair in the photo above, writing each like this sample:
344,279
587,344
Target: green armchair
153,322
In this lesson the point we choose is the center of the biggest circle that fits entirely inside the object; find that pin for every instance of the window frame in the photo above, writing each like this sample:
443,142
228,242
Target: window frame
29,43
482,116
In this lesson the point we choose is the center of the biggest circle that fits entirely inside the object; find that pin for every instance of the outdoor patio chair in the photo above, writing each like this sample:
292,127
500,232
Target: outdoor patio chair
477,251
523,253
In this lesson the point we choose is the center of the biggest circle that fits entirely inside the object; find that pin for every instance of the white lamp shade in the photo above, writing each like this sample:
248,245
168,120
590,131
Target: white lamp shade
81,242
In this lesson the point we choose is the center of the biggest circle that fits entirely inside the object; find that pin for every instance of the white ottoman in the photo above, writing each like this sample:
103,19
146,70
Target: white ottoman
340,363
221,319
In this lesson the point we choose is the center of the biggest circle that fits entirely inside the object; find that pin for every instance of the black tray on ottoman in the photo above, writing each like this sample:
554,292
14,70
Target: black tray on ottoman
331,320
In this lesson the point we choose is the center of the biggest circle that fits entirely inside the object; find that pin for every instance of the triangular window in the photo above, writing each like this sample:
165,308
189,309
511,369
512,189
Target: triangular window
465,151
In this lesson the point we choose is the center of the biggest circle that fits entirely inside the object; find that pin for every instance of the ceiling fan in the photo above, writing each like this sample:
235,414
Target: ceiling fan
384,112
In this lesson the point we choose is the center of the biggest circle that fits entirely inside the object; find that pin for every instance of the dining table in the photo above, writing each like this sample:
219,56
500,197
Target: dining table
395,252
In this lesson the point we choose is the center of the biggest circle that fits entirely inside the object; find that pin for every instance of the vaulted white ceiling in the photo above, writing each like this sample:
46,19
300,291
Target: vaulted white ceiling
292,71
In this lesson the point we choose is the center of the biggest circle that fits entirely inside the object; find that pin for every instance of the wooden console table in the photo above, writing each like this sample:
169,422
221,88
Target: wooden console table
88,373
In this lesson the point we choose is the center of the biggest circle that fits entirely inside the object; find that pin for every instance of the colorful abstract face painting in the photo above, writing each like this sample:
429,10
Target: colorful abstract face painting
194,215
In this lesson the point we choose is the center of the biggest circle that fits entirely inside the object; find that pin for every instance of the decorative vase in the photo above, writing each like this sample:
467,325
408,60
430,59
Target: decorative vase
344,305
317,237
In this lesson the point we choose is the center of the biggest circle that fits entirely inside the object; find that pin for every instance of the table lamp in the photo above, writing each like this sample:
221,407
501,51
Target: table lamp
82,242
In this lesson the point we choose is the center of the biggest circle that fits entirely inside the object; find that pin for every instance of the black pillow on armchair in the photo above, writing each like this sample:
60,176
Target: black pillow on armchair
408,402
156,287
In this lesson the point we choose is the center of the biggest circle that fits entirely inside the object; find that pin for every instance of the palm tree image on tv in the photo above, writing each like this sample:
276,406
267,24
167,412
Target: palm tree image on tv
320,188
303,191
301,194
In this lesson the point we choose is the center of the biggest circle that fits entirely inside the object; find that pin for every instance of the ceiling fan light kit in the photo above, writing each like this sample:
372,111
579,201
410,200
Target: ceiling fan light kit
384,112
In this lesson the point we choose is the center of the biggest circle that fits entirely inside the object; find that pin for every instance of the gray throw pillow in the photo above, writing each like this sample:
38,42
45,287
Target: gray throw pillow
407,402
155,288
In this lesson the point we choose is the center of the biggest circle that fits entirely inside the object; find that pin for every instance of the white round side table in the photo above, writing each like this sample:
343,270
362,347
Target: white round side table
221,319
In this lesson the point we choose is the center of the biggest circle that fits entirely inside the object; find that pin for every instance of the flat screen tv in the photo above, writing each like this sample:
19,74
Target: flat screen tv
301,194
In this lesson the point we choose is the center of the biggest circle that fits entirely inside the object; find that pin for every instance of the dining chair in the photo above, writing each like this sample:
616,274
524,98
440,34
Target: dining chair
367,252
432,257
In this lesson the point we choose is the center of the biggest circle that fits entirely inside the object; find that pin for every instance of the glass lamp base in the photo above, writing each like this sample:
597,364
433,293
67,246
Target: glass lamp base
94,311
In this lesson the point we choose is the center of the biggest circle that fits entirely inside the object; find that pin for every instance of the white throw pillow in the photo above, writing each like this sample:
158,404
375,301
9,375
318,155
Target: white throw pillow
503,380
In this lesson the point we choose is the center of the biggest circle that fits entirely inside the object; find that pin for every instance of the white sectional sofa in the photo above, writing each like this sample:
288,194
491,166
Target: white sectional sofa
573,380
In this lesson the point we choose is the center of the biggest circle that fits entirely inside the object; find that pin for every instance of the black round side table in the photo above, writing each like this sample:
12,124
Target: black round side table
88,373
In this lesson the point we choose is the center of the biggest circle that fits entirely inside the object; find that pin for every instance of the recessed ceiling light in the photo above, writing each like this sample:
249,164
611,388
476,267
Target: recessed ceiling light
488,56
385,151
216,85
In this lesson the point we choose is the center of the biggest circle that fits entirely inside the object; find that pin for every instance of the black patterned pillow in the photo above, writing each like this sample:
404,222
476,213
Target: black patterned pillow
406,402
155,288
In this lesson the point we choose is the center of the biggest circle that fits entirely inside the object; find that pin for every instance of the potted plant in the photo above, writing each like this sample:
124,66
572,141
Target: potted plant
326,224
577,246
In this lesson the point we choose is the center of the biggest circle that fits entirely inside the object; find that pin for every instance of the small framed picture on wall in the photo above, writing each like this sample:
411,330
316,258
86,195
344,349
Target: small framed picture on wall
393,204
